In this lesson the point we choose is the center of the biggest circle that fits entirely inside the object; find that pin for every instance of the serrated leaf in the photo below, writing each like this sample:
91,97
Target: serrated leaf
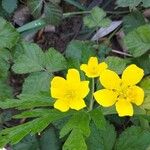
80,51
49,140
5,90
30,61
8,34
28,143
132,21
54,61
146,3
4,63
145,85
143,62
75,141
35,7
14,134
53,13
101,139
9,5
133,3
116,64
138,41
98,118
27,101
97,18
36,83
78,121
128,3
33,59
133,138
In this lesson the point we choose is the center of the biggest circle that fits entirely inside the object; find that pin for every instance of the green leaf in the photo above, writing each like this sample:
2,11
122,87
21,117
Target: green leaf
138,41
27,101
14,134
9,5
36,83
133,138
143,62
50,140
5,90
101,139
128,3
97,18
28,143
54,61
116,64
80,121
53,14
8,34
146,3
80,50
33,59
5,57
30,61
132,21
98,118
35,7
75,141
78,125
145,85
133,3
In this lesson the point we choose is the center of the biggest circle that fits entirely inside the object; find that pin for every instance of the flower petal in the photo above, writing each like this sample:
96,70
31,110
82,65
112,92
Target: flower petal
58,86
136,95
110,80
77,104
124,108
132,75
105,97
83,67
61,105
102,67
93,61
84,89
73,76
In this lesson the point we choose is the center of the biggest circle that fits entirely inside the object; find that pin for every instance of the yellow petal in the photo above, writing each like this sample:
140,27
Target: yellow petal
61,105
135,94
58,86
132,75
105,97
84,89
73,76
83,67
93,61
77,104
124,108
102,67
110,80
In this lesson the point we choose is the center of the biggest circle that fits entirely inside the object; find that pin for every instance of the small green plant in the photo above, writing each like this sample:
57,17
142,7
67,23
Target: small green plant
84,98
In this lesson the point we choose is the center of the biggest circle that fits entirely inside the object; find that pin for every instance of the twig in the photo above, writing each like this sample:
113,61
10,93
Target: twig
121,53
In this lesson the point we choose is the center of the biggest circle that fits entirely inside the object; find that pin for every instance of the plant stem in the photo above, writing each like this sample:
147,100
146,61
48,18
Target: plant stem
92,91
75,13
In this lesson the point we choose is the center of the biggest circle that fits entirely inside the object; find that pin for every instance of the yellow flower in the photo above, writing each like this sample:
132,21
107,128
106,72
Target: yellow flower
121,92
69,93
93,69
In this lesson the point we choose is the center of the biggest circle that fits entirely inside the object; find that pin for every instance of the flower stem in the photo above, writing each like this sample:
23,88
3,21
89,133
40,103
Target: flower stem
91,98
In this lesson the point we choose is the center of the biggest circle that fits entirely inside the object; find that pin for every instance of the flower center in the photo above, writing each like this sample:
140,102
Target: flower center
126,92
70,94
93,70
